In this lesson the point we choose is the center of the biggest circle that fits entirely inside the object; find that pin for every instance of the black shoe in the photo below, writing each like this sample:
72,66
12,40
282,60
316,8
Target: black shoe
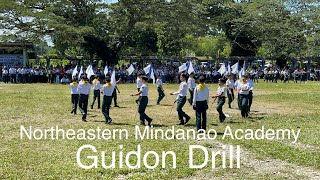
142,124
187,120
72,111
91,106
75,112
116,106
158,103
137,101
84,120
149,122
181,123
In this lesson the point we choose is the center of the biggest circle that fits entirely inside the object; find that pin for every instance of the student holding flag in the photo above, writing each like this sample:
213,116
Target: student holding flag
181,98
96,91
74,95
107,90
160,89
84,88
143,101
221,95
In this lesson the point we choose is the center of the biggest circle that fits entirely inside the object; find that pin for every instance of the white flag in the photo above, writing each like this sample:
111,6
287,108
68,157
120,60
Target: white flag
229,68
75,72
222,69
235,68
147,69
80,72
190,69
89,72
106,70
113,78
130,69
183,67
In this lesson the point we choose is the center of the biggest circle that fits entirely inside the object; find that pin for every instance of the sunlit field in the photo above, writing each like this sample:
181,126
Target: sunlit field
284,106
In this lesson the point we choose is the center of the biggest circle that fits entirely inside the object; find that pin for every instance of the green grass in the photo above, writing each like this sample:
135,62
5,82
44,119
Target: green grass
43,106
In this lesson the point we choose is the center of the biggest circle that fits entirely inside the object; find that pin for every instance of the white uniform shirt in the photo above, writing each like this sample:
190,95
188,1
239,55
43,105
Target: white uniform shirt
139,83
183,89
222,91
97,85
242,87
5,72
23,71
230,84
159,82
108,90
12,71
83,88
74,89
144,89
191,83
200,95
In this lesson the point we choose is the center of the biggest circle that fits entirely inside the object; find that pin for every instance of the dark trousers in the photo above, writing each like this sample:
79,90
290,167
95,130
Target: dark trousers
244,105
181,102
5,78
190,100
250,99
24,78
83,105
221,101
115,97
230,97
96,95
142,108
201,115
106,103
13,78
74,101
161,95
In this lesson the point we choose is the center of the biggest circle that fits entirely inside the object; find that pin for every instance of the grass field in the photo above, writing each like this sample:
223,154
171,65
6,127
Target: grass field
285,106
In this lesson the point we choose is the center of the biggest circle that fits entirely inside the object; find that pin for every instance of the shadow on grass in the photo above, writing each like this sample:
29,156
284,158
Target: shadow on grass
166,105
257,118
190,125
120,107
120,124
160,125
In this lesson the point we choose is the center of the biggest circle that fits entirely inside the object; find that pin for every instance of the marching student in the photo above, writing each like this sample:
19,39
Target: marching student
12,73
96,91
74,95
181,98
107,91
84,88
160,89
139,84
191,85
243,89
5,74
200,104
143,101
221,95
230,87
250,96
